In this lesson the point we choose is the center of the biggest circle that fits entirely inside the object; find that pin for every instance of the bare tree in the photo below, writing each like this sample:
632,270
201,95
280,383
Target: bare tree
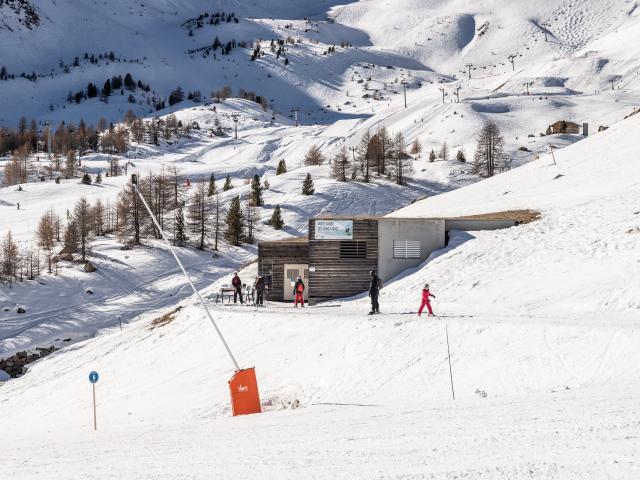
314,156
10,258
340,165
489,157
198,212
82,216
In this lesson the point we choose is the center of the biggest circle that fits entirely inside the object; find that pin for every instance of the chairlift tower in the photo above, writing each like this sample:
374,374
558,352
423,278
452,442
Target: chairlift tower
512,59
295,111
468,67
235,117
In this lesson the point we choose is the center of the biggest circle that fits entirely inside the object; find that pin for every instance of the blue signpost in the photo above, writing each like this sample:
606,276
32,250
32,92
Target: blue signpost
93,378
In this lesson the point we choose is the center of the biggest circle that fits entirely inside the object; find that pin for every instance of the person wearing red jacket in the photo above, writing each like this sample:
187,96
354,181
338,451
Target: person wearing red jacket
237,288
425,300
298,292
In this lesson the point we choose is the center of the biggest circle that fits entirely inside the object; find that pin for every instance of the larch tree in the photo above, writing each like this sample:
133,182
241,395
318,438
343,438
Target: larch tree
70,164
489,157
365,155
82,216
10,257
314,156
444,151
416,148
251,214
340,165
198,212
179,235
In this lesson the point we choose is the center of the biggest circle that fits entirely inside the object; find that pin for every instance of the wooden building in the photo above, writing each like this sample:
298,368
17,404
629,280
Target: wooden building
336,258
282,259
563,127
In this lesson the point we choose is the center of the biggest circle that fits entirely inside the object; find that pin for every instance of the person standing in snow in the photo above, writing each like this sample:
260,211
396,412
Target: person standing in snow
374,291
298,292
237,288
259,287
425,300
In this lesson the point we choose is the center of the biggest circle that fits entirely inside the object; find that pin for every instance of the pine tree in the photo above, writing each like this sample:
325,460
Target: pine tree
460,156
71,238
213,189
235,223
86,179
256,191
276,218
282,167
340,165
227,184
99,178
307,186
432,156
180,236
266,185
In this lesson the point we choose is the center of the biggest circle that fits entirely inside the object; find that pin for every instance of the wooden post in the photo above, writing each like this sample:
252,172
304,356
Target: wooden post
453,393
95,422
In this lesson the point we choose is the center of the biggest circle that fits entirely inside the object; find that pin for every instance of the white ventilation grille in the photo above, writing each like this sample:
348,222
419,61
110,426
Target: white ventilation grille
406,249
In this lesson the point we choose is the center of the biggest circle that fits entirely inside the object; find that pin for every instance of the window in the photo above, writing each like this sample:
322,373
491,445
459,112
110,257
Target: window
405,249
353,249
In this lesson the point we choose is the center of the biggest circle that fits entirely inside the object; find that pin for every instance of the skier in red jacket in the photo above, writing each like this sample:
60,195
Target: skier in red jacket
298,292
425,300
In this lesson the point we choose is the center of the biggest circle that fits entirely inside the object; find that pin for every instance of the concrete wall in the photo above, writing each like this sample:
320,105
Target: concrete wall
477,225
430,233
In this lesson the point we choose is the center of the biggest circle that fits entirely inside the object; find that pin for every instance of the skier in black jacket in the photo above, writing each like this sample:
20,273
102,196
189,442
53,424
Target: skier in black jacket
374,290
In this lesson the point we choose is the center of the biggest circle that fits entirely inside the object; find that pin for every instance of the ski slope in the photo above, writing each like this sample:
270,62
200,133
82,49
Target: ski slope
544,336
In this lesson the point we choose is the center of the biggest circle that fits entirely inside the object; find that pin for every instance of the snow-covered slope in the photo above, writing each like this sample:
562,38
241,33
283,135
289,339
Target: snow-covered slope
543,329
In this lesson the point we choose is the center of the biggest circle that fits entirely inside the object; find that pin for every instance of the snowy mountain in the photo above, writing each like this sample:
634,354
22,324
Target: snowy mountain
540,319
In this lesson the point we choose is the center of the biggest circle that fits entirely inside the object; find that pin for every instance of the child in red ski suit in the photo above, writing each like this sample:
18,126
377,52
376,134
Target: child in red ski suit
425,300
298,292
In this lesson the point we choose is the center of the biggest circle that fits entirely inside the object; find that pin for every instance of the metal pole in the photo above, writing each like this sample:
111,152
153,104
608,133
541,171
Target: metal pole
186,275
552,155
453,393
95,418
404,84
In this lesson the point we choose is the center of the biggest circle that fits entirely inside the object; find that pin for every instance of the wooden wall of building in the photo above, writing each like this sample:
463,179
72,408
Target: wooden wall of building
334,276
272,256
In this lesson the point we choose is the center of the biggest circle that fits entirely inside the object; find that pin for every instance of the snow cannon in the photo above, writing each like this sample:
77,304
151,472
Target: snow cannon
245,398
243,386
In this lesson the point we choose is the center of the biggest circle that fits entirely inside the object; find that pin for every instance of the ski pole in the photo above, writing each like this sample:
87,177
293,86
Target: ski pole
134,181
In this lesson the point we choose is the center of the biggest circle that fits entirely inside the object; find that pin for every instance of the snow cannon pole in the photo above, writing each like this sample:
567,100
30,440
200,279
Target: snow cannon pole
245,398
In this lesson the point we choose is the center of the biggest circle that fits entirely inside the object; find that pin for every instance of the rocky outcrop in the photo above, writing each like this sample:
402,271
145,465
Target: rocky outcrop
15,365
